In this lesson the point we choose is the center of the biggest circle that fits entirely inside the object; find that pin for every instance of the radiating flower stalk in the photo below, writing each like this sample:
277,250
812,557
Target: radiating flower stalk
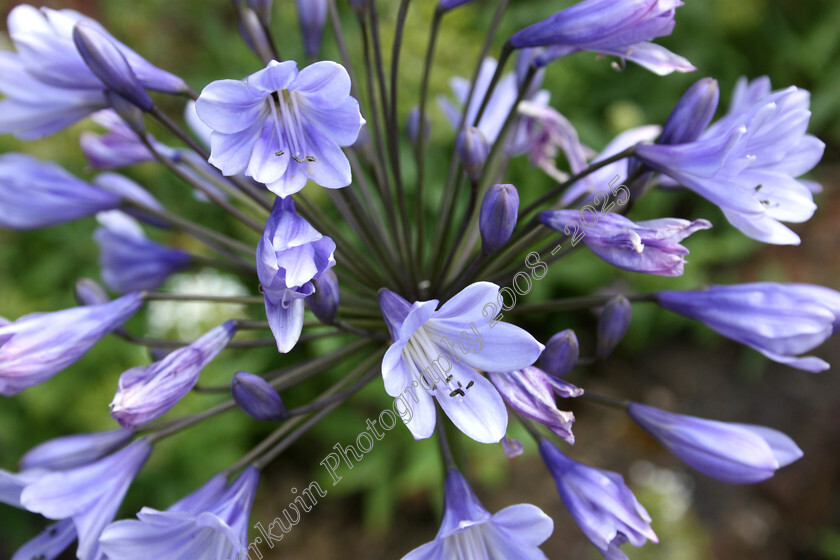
426,304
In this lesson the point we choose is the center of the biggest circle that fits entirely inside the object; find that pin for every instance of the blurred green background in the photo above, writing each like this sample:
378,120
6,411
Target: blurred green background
390,502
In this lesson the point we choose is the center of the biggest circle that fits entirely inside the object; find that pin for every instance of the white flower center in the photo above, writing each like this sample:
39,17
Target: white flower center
423,358
288,122
468,545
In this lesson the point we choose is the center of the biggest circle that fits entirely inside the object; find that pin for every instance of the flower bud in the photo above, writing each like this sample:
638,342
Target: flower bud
560,354
498,217
109,65
412,127
262,9
257,398
473,150
612,324
312,15
90,292
324,302
692,113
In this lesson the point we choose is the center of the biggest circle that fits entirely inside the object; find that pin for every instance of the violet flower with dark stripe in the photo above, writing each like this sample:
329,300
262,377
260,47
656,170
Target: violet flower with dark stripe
36,194
469,531
146,393
90,494
651,247
602,505
531,393
623,29
729,452
39,345
290,254
282,126
779,320
210,523
423,355
130,261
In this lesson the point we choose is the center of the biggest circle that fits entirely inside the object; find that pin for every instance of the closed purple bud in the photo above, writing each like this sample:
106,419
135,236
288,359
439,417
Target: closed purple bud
312,15
612,324
90,292
497,218
473,150
446,5
412,127
561,353
74,451
729,452
324,302
146,393
257,398
39,345
109,65
692,113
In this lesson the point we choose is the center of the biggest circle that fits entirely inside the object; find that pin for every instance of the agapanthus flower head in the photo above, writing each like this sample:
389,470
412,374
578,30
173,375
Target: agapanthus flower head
423,355
146,393
130,261
48,85
747,164
211,524
623,29
90,494
74,451
600,502
290,254
282,126
781,321
36,194
651,247
469,531
729,452
531,392
39,345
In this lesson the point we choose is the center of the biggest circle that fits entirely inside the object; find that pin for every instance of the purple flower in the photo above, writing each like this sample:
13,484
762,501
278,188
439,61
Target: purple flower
599,501
423,355
729,452
130,261
469,531
549,133
39,345
747,162
312,15
651,247
324,302
530,392
498,107
47,84
290,255
211,524
36,194
90,494
446,5
118,147
146,393
622,29
473,150
74,451
612,324
282,126
692,113
779,320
